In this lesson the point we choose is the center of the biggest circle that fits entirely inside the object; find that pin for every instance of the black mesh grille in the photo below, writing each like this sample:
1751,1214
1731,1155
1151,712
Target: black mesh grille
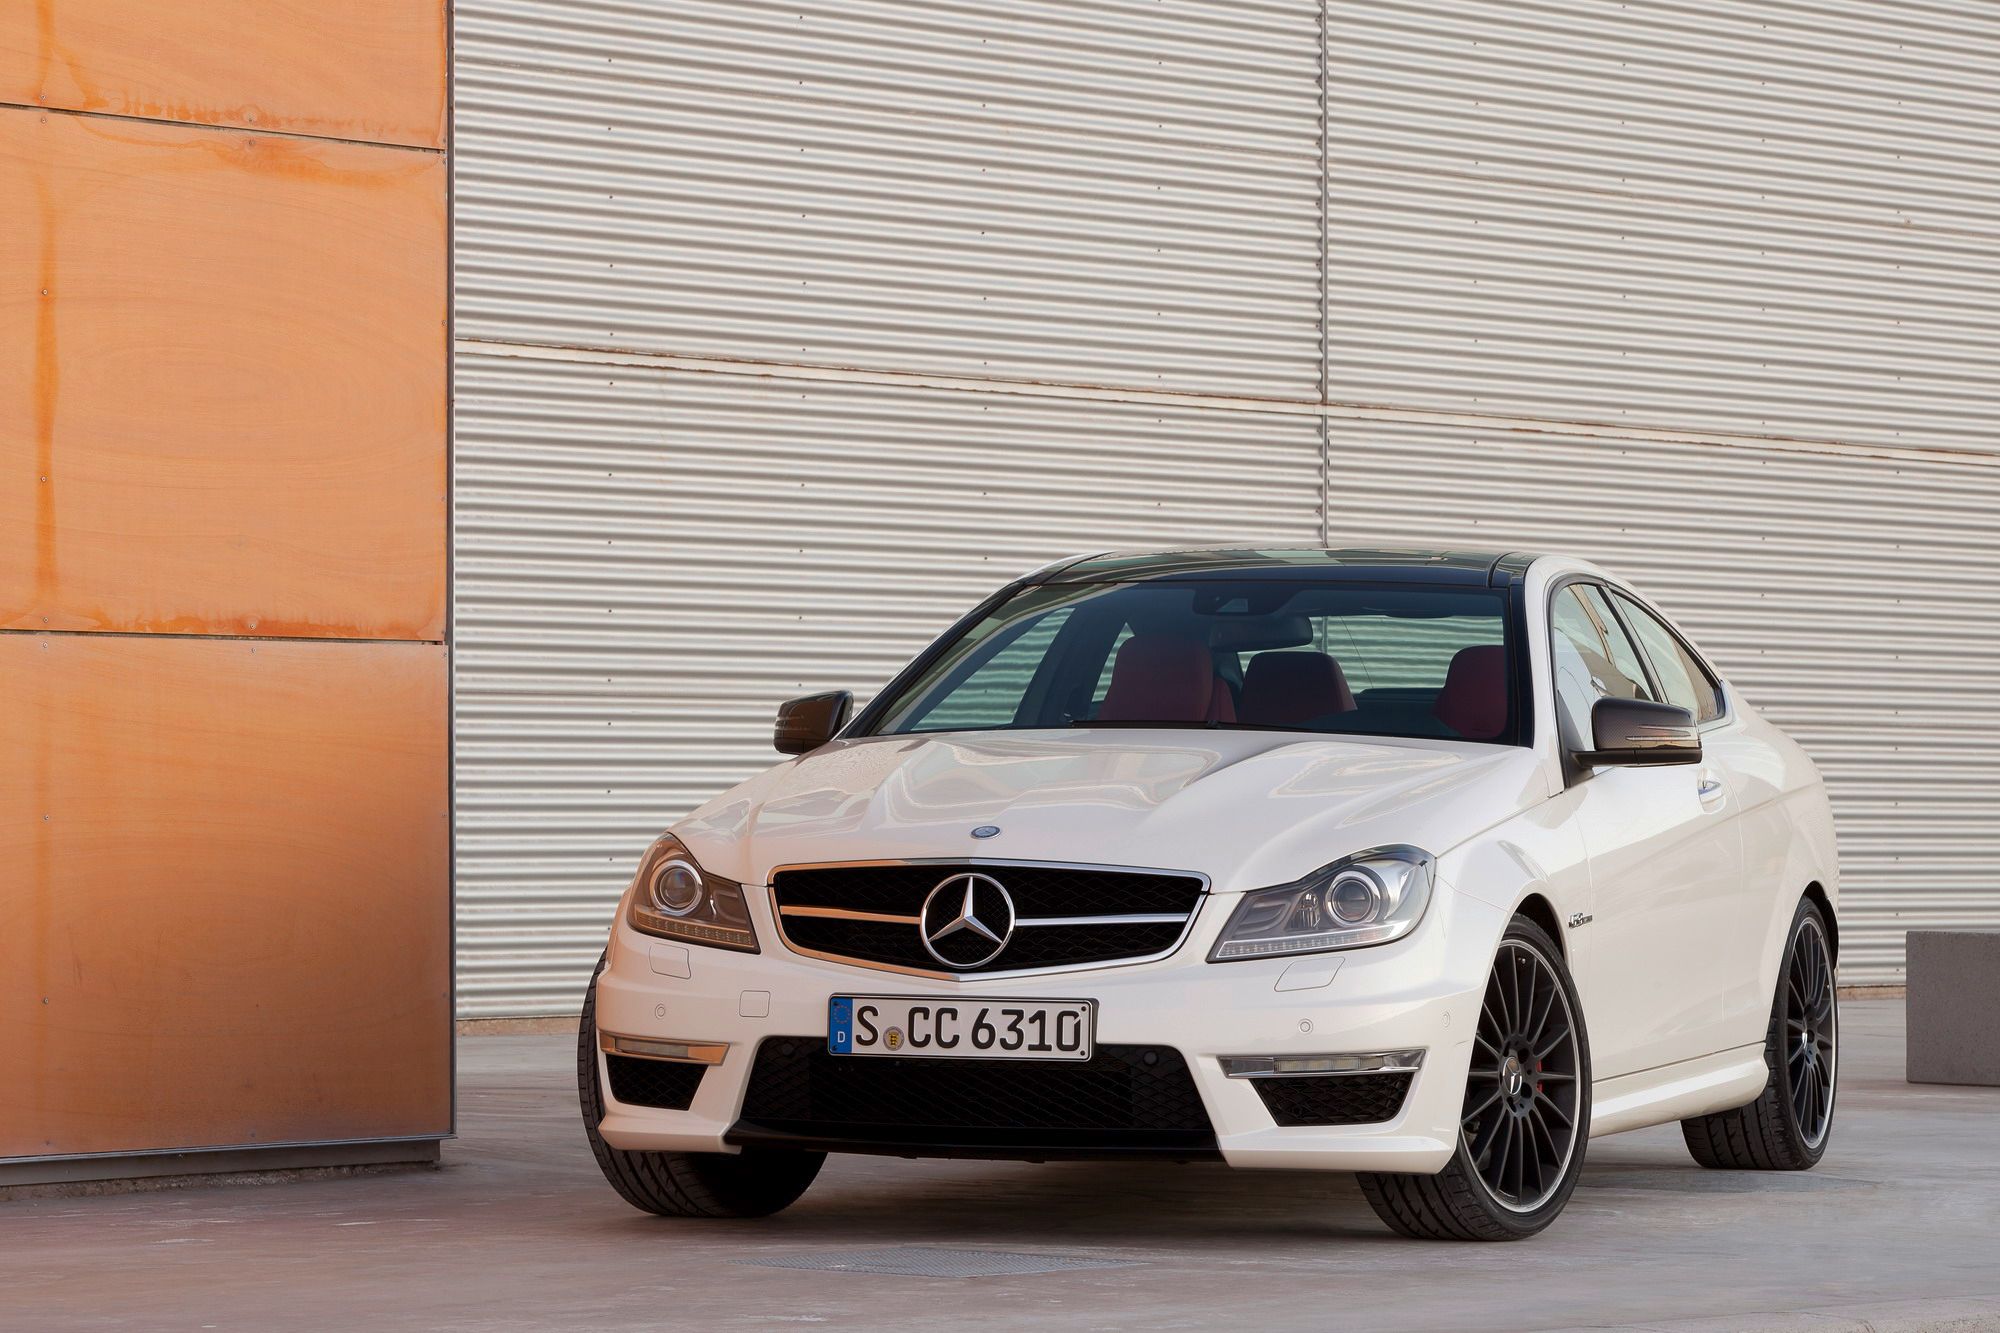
1125,1099
667,1084
1036,891
1334,1099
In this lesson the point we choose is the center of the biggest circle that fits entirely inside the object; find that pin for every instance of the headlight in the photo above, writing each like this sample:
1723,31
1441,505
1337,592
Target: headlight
1369,898
676,899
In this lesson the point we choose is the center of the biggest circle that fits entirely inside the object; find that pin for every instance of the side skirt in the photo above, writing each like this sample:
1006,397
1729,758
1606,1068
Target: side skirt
1718,1082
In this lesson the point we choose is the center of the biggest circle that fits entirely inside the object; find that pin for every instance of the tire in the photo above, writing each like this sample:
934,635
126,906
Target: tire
753,1183
1789,1125
1540,1103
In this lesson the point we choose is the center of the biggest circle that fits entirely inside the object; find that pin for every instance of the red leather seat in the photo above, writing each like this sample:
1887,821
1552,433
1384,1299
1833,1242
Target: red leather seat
1165,678
1473,702
1221,703
1283,689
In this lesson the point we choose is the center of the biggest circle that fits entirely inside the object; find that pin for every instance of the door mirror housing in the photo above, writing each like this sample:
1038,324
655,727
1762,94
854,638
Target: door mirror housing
1639,731
807,723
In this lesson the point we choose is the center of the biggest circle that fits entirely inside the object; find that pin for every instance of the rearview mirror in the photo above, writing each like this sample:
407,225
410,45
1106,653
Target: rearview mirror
1639,731
808,723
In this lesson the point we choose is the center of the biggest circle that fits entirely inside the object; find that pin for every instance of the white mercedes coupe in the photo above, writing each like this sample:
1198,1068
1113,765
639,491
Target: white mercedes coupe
1426,865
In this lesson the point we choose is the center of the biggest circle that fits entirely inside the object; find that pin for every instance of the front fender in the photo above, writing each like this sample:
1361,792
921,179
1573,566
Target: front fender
1527,858
1537,856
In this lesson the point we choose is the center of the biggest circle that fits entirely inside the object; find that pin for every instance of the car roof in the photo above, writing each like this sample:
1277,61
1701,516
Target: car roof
1358,564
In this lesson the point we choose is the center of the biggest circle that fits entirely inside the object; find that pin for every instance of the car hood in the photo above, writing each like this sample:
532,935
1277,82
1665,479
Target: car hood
1245,808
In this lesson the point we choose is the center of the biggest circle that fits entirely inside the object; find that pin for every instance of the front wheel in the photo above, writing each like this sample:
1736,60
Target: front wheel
753,1183
1787,1127
1526,1115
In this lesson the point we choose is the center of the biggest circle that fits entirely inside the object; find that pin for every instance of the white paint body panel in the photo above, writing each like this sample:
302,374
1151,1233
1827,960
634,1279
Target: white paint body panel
1134,798
1675,973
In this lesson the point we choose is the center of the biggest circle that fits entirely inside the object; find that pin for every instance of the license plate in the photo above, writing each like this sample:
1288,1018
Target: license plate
957,1028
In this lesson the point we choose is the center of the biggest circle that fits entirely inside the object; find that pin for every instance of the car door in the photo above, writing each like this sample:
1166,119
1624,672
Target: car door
1737,773
1665,862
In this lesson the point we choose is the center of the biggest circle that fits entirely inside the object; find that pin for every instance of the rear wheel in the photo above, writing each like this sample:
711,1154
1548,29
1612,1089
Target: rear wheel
753,1183
1787,1127
1526,1114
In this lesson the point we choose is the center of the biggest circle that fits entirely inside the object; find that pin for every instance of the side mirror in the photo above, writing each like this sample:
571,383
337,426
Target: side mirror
808,723
1639,731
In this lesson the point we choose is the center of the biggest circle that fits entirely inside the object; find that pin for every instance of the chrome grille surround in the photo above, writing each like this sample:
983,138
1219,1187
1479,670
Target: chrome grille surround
1027,924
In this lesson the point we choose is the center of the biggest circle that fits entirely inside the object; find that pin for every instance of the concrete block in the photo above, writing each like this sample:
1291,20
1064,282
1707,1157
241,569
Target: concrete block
1954,1007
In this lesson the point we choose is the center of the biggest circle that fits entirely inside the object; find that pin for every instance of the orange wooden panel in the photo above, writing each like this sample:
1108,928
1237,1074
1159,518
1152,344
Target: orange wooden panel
348,69
223,883
222,382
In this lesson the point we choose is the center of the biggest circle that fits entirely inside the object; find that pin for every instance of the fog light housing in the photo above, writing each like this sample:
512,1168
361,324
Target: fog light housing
654,1048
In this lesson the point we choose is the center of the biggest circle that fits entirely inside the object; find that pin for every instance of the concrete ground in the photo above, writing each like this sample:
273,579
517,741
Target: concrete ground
1898,1229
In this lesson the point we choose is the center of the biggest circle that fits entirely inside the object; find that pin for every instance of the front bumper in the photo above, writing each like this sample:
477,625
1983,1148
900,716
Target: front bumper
1421,993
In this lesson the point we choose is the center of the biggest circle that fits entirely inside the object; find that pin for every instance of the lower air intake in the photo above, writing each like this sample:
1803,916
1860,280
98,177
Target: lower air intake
1334,1099
666,1084
1124,1101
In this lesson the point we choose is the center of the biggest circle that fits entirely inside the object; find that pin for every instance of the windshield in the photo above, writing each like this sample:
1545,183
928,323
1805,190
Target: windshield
1260,654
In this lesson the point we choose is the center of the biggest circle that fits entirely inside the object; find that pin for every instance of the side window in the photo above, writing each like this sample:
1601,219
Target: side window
1624,653
1588,665
1682,679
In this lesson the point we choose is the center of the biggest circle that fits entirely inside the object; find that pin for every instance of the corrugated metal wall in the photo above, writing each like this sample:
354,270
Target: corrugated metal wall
1756,217
786,331
1117,193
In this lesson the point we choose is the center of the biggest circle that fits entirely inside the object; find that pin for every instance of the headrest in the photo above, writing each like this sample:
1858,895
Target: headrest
1473,702
1281,689
1160,678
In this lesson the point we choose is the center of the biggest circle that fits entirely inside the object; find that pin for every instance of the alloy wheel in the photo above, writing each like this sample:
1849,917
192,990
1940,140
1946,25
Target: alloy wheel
1520,1116
1810,1036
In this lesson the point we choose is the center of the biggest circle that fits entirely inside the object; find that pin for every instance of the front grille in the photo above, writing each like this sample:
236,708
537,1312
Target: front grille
1334,1099
667,1084
1057,895
1125,1100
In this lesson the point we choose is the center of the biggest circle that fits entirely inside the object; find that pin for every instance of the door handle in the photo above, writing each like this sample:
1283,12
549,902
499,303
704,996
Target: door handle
1710,791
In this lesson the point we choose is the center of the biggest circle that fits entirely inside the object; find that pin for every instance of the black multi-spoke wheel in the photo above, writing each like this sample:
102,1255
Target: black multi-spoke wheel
1521,1100
1526,1115
1787,1127
1810,1048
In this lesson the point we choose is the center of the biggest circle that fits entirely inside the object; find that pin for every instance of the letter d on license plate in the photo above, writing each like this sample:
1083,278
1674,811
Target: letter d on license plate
958,1028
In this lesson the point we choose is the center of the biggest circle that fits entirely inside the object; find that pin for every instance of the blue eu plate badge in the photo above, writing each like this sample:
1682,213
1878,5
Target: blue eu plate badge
840,1025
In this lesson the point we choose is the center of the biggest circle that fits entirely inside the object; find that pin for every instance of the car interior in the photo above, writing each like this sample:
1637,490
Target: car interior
1400,662
1165,678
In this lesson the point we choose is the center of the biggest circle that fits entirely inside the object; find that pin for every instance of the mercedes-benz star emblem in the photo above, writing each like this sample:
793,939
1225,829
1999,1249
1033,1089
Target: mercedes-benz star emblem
967,920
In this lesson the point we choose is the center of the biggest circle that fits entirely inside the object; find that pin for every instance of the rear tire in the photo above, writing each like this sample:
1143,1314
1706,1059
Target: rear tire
1526,1116
1789,1125
753,1183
